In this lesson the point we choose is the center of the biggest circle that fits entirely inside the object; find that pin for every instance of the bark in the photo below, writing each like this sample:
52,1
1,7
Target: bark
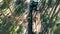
3,14
12,14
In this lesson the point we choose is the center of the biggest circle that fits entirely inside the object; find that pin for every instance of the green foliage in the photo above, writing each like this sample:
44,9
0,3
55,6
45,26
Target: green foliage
7,27
19,10
18,2
45,18
57,18
3,21
57,30
3,6
20,30
13,29
3,26
8,1
50,25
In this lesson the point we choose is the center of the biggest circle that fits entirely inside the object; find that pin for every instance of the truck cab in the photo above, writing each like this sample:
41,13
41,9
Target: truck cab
35,0
34,4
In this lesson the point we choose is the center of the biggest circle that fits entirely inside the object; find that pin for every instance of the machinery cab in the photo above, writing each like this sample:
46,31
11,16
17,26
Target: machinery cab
34,4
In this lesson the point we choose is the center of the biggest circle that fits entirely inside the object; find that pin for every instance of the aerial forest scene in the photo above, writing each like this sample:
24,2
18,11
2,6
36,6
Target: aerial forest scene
29,16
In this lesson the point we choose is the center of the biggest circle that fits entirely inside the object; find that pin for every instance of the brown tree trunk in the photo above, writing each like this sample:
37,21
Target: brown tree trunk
3,14
12,14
